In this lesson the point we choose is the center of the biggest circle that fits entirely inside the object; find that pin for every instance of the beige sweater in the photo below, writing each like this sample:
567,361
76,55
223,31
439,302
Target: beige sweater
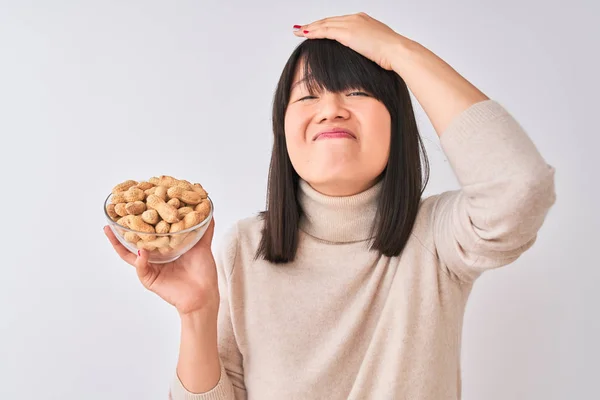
342,322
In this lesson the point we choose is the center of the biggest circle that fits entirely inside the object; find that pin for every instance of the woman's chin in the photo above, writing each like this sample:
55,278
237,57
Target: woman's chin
330,177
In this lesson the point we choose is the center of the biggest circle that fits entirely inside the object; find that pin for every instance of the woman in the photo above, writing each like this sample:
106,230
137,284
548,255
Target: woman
350,285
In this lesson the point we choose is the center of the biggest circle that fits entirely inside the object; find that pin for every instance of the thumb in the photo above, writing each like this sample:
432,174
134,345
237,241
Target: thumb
206,240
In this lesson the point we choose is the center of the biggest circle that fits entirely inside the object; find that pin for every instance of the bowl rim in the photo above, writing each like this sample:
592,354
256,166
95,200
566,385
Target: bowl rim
199,225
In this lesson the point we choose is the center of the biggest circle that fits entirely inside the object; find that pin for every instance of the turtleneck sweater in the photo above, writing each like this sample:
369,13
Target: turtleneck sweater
337,219
342,321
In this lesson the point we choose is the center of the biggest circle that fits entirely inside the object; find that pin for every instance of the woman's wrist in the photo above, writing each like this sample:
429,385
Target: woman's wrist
199,321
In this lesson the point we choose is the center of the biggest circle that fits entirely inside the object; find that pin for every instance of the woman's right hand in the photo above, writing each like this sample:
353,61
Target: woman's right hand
188,283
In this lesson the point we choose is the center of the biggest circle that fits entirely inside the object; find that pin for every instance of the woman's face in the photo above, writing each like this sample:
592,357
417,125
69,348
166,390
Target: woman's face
337,164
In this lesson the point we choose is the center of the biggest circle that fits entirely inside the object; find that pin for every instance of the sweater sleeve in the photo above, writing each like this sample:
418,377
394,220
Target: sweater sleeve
231,383
506,192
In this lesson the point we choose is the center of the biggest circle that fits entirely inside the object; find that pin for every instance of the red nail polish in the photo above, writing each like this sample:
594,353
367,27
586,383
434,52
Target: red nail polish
297,26
139,253
305,31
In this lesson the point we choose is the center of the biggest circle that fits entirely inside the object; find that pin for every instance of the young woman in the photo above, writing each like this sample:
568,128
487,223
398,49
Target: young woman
350,285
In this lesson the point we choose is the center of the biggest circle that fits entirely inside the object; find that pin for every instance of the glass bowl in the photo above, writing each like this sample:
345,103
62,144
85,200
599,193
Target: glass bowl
172,245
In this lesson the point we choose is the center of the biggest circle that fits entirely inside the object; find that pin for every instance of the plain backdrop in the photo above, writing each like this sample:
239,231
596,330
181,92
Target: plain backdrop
96,92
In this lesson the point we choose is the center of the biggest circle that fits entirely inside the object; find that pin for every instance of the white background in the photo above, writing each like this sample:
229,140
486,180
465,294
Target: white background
94,93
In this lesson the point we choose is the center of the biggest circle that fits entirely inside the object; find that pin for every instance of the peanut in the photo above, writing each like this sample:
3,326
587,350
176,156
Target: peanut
164,180
123,186
161,192
150,245
150,217
110,210
203,208
130,195
199,189
187,196
143,245
145,185
163,227
177,226
135,208
165,250
175,203
150,191
183,211
184,184
121,209
134,194
189,238
176,240
118,198
166,211
192,219
123,222
131,237
136,223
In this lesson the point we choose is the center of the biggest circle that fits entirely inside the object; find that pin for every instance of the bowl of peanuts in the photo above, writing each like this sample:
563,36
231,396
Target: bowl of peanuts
164,215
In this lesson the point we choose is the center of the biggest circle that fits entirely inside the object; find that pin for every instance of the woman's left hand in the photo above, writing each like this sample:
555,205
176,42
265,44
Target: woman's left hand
360,32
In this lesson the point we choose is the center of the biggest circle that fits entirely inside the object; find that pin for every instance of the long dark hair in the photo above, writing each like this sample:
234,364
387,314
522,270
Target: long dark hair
334,67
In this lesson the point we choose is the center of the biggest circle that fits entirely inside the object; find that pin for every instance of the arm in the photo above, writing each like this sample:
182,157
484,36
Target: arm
507,188
442,92
199,367
210,364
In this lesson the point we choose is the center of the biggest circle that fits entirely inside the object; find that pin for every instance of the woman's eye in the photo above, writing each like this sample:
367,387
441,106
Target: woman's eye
350,94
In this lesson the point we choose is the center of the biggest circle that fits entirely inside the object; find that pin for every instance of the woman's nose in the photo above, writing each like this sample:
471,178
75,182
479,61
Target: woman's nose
332,107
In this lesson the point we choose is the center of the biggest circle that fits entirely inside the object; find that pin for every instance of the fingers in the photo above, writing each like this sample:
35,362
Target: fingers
324,21
329,30
143,269
121,250
337,20
140,262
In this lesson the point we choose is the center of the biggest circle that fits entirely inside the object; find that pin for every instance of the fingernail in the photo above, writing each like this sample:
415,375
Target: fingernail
297,26
139,253
305,31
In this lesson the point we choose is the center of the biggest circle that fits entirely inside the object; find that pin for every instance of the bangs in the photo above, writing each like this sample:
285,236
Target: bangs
331,66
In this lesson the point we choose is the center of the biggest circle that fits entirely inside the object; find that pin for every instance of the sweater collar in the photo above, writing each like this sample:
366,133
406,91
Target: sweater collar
338,219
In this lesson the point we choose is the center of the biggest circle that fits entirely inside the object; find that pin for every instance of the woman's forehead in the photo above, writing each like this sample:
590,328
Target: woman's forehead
334,80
